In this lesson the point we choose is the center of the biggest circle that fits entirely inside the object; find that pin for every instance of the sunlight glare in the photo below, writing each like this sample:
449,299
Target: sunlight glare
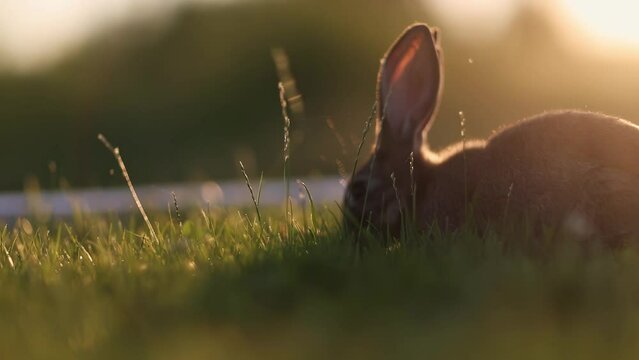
613,22
475,19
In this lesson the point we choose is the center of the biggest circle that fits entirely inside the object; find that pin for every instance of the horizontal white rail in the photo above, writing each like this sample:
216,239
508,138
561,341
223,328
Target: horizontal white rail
159,197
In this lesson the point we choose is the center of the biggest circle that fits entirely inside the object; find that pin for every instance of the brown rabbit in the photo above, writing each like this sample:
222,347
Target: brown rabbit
574,170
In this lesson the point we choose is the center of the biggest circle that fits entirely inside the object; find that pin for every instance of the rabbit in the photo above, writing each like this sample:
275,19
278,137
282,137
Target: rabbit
573,170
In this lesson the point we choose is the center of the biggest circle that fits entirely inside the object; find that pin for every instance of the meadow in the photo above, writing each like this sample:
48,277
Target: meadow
291,282
217,283
287,282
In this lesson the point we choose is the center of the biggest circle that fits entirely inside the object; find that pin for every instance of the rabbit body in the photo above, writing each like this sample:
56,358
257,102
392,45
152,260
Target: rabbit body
573,170
569,169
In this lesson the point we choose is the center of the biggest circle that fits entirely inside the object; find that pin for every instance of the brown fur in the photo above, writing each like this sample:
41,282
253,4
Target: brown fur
577,171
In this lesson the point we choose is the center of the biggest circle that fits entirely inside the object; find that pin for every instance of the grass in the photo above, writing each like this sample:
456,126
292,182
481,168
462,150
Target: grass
229,284
93,288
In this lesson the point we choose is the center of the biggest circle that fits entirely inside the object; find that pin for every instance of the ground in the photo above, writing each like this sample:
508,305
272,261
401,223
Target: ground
223,286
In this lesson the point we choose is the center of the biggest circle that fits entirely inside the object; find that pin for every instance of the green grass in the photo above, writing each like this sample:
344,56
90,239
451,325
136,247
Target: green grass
218,287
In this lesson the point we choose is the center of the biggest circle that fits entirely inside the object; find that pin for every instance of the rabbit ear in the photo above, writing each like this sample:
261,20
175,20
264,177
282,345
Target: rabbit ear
409,87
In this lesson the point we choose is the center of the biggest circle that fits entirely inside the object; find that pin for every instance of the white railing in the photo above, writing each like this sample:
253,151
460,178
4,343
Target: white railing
159,197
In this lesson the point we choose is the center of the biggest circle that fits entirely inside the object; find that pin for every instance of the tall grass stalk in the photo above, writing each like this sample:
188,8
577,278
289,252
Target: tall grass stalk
399,202
462,120
255,200
285,155
118,157
382,119
178,215
367,128
287,79
506,208
413,186
312,203
365,131
259,188
4,248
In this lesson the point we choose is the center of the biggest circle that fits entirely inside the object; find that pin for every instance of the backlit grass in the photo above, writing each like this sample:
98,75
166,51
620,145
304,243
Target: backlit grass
221,286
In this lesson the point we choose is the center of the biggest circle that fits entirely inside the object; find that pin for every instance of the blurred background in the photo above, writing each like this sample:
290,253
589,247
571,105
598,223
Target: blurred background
187,88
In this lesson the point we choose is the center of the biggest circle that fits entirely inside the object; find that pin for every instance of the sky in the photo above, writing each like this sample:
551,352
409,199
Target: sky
36,33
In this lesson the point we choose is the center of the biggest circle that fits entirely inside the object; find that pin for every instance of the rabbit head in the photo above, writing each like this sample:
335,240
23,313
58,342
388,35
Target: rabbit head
408,95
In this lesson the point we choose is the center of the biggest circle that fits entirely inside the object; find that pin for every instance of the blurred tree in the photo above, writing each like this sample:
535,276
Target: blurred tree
187,99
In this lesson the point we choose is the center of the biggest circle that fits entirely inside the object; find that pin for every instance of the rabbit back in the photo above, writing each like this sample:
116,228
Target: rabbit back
572,169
